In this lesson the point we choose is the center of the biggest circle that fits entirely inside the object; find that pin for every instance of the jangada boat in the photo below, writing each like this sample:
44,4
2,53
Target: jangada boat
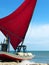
14,26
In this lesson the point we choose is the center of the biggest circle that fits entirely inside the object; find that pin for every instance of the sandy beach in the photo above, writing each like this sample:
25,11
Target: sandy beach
21,63
14,63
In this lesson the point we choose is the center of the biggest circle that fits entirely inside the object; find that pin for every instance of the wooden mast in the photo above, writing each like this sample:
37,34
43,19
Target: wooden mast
7,42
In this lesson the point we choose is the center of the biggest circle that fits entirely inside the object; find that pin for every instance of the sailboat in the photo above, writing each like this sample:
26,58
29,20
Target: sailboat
15,26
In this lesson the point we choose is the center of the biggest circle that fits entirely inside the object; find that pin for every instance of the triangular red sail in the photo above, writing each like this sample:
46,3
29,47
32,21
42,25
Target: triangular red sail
16,24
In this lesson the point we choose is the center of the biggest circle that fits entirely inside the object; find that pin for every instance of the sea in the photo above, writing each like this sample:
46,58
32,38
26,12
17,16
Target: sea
40,56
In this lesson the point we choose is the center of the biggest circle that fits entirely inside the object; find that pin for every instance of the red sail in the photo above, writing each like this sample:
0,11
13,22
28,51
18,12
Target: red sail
16,24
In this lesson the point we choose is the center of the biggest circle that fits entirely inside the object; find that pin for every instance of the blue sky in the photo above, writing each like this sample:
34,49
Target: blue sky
37,37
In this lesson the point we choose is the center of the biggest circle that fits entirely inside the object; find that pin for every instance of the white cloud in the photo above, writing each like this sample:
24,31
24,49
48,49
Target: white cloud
38,36
38,32
41,31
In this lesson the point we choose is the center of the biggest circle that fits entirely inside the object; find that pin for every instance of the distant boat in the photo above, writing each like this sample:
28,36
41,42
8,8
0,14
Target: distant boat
15,27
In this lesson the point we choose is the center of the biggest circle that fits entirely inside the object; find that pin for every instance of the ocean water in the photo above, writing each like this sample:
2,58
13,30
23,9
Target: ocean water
40,56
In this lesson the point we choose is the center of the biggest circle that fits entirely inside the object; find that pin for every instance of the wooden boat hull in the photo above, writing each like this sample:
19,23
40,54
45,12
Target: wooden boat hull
12,57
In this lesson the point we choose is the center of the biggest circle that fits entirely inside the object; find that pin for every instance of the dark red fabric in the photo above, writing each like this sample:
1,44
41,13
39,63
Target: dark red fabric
16,24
